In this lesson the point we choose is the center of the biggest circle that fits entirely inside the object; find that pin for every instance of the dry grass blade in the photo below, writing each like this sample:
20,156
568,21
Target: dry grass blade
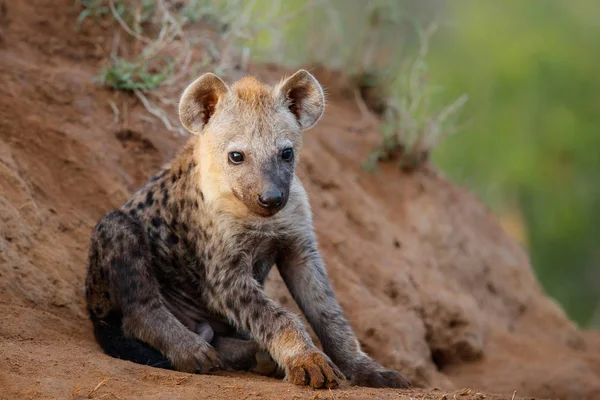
126,28
332,395
157,112
181,380
98,386
75,391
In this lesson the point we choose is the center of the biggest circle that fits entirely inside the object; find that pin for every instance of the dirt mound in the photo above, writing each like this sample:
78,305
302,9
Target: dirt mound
430,282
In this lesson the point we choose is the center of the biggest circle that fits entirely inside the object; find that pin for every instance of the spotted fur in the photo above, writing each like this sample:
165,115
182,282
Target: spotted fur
175,277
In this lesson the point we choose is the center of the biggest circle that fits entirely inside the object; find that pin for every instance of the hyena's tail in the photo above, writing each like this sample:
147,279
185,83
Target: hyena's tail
109,334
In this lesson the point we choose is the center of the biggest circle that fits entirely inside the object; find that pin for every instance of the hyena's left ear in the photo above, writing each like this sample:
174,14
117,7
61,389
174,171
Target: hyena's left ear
199,100
304,97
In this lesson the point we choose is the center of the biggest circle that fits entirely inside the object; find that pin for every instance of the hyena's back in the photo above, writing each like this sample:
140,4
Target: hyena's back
119,255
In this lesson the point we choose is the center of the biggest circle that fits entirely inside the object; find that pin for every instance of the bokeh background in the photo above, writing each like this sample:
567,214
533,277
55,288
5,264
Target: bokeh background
532,149
527,141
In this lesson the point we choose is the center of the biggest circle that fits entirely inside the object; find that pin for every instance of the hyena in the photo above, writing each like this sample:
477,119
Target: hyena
175,277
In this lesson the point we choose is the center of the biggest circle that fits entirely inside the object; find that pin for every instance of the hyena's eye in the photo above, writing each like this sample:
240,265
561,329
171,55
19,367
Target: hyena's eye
236,157
287,154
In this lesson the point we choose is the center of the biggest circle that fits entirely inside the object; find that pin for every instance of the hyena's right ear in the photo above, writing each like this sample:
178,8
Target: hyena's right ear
198,101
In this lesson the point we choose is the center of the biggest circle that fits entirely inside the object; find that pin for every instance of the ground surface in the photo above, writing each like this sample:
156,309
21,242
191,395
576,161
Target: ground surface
431,283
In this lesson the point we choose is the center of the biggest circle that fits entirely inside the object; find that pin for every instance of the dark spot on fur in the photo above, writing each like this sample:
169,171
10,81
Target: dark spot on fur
140,206
165,198
148,302
259,303
230,303
180,173
246,299
236,259
114,264
107,295
98,311
255,315
132,212
101,233
159,175
172,239
156,222
280,313
196,203
149,199
202,196
397,244
269,336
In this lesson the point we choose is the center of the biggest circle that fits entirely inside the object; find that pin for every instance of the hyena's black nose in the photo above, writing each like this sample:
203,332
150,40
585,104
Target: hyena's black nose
270,198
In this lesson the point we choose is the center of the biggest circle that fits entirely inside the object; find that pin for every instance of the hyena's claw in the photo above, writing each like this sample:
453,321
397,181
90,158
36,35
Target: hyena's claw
337,371
313,369
200,358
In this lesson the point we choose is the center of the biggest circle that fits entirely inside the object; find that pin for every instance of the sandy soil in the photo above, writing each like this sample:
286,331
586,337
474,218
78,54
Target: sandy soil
431,283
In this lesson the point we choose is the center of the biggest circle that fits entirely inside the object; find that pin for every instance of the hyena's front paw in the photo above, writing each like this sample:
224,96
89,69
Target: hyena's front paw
314,369
196,356
374,375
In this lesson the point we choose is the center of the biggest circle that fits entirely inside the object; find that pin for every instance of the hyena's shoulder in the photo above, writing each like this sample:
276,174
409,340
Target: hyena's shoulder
153,195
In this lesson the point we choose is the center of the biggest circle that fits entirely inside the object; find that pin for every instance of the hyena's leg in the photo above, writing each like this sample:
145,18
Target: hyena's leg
245,355
303,271
235,353
233,292
122,256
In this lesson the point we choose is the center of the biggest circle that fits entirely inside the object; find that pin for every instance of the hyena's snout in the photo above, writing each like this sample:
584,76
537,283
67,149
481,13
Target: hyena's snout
272,198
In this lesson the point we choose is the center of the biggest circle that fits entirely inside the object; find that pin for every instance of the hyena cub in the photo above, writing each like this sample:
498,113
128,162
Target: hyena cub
175,277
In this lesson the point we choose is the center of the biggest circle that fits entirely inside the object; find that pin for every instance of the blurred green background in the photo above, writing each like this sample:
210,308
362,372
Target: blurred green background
531,145
528,140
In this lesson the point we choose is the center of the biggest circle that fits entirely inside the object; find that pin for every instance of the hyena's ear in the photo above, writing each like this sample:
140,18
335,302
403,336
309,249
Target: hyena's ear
198,101
303,95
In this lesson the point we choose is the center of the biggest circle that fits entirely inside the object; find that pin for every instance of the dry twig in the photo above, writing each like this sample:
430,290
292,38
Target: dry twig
98,386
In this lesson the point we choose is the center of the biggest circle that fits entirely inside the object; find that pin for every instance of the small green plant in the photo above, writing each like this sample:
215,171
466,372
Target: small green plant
130,76
95,9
